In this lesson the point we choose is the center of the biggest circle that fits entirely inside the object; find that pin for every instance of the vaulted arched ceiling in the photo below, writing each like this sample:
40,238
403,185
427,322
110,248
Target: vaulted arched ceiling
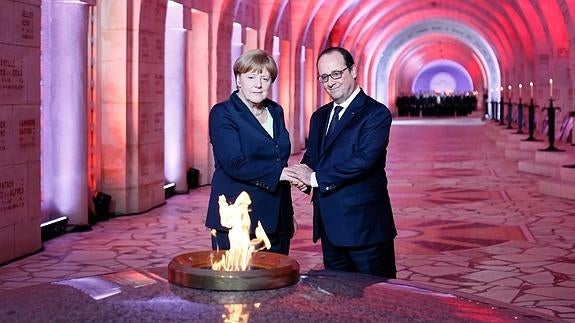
497,42
514,34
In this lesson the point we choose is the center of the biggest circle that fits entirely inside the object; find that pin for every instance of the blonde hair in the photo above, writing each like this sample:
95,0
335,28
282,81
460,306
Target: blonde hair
256,60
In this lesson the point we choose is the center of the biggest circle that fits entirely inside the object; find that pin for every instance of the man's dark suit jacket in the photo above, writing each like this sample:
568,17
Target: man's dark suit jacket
352,198
248,159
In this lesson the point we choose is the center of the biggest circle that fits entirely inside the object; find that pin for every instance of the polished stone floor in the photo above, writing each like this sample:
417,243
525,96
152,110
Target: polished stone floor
468,222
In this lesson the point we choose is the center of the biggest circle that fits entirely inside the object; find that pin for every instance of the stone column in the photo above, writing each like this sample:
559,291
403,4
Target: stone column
131,92
64,112
175,108
200,85
19,129
237,48
276,54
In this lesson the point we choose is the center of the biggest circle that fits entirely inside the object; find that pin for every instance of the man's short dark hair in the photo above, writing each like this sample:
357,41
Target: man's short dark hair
347,57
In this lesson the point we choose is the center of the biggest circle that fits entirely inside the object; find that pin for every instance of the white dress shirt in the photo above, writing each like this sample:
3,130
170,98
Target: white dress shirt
345,104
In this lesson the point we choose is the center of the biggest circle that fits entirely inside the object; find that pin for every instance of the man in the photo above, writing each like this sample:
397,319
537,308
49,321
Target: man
345,165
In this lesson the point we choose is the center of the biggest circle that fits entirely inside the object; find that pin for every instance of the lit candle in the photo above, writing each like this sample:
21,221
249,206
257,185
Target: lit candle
510,93
531,86
520,87
551,88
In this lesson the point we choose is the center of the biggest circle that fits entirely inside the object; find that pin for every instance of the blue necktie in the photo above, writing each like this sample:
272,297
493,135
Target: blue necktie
334,120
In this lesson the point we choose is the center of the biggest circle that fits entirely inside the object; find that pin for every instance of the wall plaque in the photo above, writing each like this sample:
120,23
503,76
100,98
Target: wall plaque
12,194
11,75
27,133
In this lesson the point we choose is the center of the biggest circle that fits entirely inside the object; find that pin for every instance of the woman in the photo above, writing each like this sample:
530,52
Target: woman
251,149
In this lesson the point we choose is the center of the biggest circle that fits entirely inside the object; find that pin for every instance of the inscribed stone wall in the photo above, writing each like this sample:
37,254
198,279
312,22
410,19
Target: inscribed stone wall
19,129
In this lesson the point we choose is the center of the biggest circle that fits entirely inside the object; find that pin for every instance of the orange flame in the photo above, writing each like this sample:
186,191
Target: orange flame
236,218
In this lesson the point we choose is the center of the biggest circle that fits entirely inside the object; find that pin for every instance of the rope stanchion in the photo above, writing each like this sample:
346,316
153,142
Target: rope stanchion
509,114
531,121
520,117
551,123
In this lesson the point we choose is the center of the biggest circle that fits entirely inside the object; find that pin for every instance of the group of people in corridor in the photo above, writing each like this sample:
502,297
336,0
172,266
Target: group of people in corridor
343,166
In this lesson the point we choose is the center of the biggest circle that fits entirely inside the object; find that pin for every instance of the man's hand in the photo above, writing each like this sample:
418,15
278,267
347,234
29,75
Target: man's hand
301,172
285,176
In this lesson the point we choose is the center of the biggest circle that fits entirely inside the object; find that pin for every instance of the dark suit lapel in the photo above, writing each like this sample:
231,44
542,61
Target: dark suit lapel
351,111
323,120
276,116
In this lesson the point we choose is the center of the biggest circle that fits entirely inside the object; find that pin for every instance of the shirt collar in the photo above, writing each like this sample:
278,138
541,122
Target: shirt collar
347,102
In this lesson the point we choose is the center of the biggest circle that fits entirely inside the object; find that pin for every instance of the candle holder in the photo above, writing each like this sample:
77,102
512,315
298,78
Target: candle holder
551,123
509,114
485,107
519,117
531,120
502,112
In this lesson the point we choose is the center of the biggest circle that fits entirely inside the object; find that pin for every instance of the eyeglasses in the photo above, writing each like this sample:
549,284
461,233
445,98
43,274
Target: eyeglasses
336,75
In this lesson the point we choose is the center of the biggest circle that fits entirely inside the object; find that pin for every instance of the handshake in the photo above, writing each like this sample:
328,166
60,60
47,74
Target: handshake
298,175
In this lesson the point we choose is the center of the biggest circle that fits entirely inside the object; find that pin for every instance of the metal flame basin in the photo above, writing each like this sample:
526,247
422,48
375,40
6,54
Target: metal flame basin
268,271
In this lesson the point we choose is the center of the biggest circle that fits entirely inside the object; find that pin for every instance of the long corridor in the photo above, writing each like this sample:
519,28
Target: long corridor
468,221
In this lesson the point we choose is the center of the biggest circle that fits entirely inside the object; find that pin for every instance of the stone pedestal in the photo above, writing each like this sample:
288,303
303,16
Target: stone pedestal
320,296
